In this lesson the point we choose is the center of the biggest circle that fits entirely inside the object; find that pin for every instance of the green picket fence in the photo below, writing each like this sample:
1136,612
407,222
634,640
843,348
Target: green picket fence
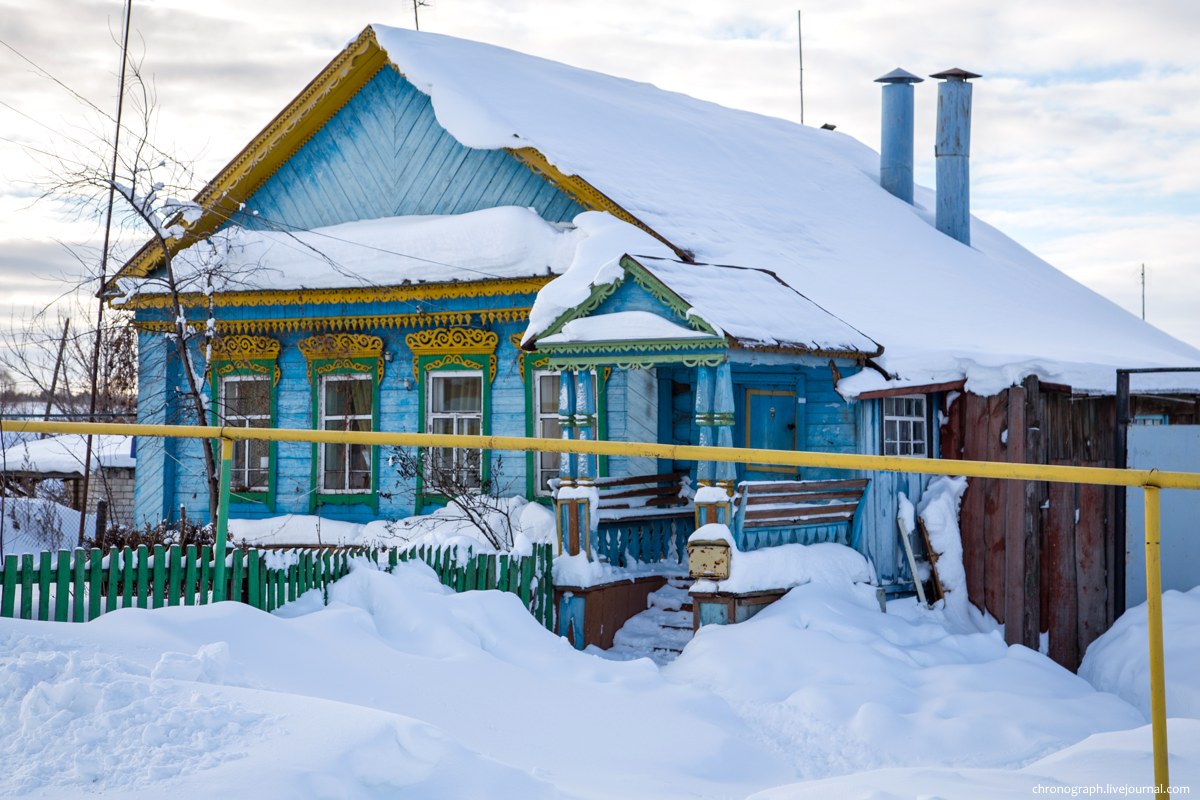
528,577
80,585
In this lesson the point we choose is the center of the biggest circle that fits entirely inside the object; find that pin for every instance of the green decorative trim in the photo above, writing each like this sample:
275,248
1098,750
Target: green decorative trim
427,358
663,294
584,362
358,365
598,295
242,355
638,346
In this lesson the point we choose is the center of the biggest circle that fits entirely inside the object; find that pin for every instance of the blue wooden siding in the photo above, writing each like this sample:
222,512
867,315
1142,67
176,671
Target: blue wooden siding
631,297
171,476
632,410
384,154
155,472
876,533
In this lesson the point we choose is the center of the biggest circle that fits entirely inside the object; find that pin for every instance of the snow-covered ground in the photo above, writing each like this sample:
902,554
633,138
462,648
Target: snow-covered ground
399,688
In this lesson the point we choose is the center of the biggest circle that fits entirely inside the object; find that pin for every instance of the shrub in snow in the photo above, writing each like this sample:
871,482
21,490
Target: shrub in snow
183,533
472,501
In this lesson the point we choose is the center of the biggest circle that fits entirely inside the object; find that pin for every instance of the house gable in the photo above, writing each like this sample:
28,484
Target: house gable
383,154
635,290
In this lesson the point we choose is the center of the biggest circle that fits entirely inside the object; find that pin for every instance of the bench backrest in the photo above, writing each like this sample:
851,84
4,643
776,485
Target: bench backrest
643,495
767,504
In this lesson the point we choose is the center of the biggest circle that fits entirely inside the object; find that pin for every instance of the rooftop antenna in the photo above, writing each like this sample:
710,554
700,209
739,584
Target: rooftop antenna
1143,279
416,5
800,46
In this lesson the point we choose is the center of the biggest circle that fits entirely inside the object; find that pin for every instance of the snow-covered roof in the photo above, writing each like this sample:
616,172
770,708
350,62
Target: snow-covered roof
504,242
64,455
738,188
732,300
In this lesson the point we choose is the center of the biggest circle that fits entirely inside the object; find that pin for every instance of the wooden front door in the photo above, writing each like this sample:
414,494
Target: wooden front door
770,422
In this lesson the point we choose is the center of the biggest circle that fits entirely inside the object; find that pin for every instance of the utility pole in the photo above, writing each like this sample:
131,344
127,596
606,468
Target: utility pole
416,18
800,46
112,183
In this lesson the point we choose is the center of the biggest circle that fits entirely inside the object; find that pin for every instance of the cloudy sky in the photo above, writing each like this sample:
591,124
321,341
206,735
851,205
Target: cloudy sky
1085,145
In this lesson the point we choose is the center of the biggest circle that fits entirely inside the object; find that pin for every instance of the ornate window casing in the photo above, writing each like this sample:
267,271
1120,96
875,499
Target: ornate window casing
454,405
244,374
906,426
466,350
541,415
344,370
544,423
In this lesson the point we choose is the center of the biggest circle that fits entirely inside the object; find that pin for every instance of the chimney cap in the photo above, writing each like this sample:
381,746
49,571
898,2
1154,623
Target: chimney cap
899,76
955,74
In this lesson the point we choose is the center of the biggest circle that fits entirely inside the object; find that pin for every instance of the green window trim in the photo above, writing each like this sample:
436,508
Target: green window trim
242,357
484,365
334,354
530,368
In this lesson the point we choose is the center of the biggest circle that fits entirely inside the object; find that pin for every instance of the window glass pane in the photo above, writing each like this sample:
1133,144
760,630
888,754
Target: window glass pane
346,406
548,394
334,476
890,430
549,428
457,394
348,398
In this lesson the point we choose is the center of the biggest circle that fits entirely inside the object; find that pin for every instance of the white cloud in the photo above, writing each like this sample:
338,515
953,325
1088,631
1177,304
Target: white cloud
1085,134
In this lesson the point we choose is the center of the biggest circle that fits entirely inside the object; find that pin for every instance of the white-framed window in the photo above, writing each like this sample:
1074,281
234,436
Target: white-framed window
346,404
905,430
546,425
454,405
245,402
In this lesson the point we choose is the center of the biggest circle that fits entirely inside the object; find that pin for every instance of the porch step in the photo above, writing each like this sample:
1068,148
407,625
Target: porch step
661,631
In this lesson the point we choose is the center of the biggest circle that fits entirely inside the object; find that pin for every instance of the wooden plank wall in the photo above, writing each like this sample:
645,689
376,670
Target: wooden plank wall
1037,556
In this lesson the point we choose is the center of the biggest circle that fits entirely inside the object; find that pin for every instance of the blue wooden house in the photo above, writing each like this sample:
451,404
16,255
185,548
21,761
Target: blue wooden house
438,235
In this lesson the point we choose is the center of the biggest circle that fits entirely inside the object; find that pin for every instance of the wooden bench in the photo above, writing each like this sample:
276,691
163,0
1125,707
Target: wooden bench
643,496
777,512
647,517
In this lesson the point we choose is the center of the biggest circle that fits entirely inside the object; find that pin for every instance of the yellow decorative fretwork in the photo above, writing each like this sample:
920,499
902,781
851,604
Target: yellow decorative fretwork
242,354
455,358
230,367
342,351
453,342
356,294
536,363
341,345
340,364
243,348
226,327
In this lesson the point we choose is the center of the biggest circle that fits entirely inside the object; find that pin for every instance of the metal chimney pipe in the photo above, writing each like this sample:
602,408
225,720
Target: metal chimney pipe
896,136
952,151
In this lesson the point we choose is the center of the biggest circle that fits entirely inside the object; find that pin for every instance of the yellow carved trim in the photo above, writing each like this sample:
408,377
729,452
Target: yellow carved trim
537,363
226,327
364,294
455,358
341,345
348,364
457,340
244,348
452,342
273,146
585,193
230,367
